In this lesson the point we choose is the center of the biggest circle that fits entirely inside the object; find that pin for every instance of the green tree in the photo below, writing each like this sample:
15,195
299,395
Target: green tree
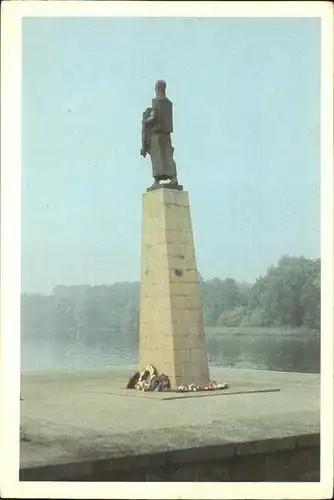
218,296
278,294
231,317
311,300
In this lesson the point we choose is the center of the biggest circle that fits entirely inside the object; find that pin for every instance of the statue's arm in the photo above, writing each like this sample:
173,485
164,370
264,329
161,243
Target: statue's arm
152,116
149,118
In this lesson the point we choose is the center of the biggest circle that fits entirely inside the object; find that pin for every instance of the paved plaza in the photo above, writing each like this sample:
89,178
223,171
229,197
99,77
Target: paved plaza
74,415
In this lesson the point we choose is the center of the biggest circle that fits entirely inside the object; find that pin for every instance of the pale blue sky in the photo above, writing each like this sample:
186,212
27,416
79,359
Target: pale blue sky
246,96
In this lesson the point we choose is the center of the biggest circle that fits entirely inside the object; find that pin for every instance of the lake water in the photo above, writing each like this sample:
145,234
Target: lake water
269,352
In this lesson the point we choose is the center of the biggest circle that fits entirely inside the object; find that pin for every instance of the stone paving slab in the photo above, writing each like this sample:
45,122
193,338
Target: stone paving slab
166,396
69,415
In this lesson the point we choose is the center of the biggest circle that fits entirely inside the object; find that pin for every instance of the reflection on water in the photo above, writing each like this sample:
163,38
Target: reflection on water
51,355
270,352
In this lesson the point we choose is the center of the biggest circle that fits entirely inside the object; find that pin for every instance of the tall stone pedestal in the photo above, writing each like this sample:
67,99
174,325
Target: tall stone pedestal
171,320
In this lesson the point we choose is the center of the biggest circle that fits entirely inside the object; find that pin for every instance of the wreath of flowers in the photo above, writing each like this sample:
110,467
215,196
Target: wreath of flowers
211,386
149,379
146,377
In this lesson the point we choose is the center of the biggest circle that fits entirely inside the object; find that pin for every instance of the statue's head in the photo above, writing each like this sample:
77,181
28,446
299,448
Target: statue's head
160,88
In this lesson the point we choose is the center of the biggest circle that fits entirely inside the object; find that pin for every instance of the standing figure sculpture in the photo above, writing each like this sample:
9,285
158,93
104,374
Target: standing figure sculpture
157,126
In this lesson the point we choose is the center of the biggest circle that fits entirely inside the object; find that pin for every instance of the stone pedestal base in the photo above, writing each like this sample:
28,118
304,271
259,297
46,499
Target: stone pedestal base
171,321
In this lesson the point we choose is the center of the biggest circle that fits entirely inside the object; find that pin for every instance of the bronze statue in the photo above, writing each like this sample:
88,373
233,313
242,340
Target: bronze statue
157,126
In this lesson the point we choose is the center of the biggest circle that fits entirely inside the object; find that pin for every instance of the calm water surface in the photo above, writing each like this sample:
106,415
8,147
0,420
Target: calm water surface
269,352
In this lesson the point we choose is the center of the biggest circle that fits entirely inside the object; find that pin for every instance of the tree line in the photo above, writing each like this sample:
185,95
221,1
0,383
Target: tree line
288,295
